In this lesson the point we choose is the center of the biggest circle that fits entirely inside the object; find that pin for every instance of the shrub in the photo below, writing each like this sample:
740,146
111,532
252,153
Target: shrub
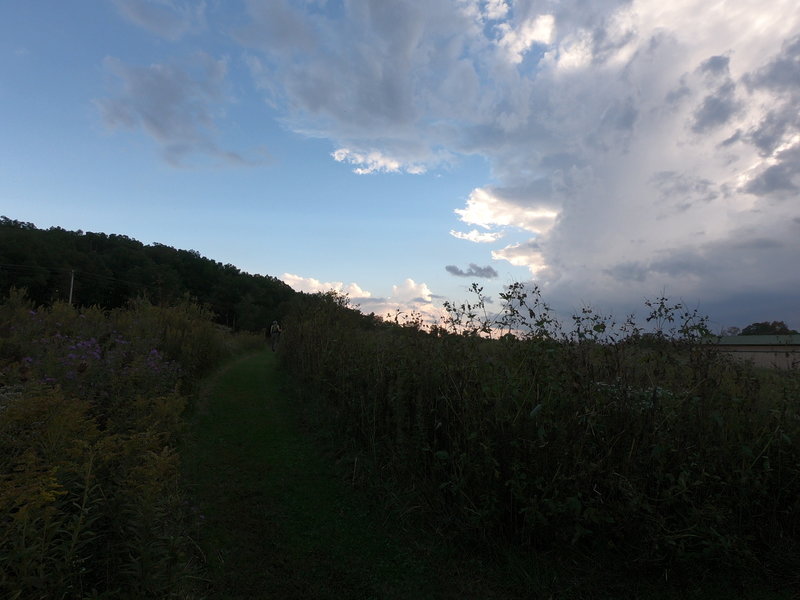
91,407
639,445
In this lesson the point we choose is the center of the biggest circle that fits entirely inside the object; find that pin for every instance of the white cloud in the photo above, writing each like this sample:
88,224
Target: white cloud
496,9
517,41
410,291
476,236
633,140
575,51
312,286
407,298
523,255
356,291
486,208
375,162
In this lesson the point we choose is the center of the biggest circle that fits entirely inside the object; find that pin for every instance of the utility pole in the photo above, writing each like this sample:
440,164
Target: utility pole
71,284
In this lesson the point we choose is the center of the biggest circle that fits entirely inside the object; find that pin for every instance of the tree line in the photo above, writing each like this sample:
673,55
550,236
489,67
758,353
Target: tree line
762,328
109,270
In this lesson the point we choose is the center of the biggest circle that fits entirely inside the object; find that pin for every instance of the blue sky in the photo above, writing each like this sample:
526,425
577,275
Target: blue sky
400,150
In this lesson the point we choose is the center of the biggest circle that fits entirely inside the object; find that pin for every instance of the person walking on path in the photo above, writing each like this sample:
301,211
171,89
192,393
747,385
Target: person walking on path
275,334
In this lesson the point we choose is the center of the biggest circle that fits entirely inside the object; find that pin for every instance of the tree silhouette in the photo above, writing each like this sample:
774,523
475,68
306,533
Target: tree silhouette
110,270
768,328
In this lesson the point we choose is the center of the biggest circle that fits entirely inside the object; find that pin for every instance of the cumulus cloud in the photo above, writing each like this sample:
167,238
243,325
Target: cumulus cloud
410,291
474,270
175,104
406,298
310,285
495,9
635,145
488,208
169,19
476,236
524,254
375,162
516,41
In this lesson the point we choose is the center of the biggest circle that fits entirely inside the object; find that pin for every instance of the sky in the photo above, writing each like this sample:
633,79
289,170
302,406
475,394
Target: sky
398,151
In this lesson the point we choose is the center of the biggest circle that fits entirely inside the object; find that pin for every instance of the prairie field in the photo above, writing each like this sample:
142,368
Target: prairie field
638,448
608,453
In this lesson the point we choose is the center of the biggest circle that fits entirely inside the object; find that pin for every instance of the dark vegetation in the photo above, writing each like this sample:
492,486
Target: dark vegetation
761,328
109,270
633,453
768,328
279,521
91,405
613,454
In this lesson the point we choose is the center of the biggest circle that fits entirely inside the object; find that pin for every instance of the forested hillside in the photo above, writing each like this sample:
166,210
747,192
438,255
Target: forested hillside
111,269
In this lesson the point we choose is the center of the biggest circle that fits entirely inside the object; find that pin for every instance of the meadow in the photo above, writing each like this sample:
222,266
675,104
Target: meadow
636,449
91,410
609,451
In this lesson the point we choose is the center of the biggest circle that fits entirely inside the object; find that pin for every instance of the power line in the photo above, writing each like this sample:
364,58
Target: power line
73,273
54,269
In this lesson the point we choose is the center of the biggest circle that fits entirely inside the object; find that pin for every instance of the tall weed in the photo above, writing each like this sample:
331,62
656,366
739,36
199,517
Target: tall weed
91,407
638,443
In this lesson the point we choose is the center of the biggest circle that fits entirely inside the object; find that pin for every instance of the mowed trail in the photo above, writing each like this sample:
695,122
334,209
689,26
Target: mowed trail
278,521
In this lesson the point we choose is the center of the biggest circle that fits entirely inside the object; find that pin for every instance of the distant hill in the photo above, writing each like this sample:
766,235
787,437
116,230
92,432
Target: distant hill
109,270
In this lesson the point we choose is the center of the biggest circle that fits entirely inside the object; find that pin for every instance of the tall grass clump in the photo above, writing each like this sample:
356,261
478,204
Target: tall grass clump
90,412
640,445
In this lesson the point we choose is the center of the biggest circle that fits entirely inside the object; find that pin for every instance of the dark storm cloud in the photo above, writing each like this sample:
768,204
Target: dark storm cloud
716,65
675,95
772,135
773,128
782,73
628,271
716,109
474,271
732,139
741,308
682,263
779,177
676,263
758,244
751,255
683,191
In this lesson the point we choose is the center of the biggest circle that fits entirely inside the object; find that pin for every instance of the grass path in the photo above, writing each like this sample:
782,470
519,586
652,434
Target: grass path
279,522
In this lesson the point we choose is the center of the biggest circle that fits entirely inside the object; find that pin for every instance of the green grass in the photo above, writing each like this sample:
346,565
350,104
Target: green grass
280,520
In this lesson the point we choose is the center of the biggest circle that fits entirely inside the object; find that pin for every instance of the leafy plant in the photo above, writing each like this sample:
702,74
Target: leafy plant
637,443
